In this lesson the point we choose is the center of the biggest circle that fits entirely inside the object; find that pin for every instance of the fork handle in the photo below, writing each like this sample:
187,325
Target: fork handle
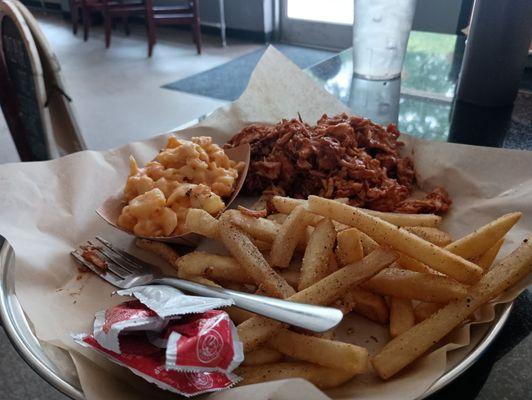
307,316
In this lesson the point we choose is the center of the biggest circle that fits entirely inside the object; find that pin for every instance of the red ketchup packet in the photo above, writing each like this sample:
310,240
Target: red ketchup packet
148,362
206,342
176,341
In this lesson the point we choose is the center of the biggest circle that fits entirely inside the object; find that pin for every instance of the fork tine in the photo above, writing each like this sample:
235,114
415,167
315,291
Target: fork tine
104,274
132,261
115,262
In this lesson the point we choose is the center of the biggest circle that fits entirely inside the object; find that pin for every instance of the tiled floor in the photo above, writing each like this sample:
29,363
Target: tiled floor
118,99
116,91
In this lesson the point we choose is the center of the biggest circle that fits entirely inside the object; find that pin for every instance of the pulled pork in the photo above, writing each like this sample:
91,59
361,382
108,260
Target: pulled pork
341,156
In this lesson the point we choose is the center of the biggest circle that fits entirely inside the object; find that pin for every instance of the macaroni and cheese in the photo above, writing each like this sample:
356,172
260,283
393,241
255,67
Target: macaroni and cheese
184,175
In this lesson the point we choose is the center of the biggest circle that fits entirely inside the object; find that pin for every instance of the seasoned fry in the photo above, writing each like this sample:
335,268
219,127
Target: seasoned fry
405,348
424,310
433,235
366,303
201,222
160,249
250,258
416,285
278,218
262,356
212,266
258,228
368,244
401,316
324,352
203,281
486,260
286,204
256,330
286,239
412,264
478,242
428,220
332,265
291,276
349,248
319,250
387,234
238,315
322,377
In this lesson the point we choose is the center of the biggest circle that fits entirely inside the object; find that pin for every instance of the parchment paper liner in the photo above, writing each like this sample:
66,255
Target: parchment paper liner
47,208
112,207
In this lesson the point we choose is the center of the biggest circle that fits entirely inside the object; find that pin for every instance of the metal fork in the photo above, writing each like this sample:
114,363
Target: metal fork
124,270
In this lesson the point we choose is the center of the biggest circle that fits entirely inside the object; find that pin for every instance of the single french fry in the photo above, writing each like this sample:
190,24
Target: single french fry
317,256
285,242
349,247
278,218
430,234
238,315
416,285
478,242
212,266
486,260
291,276
324,352
332,265
368,304
263,246
201,222
256,330
160,249
258,228
401,316
412,264
424,310
202,280
405,348
368,244
329,335
399,219
387,234
322,377
262,356
242,248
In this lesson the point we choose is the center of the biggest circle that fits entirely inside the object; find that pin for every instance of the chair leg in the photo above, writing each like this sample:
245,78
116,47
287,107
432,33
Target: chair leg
86,15
74,14
196,29
150,30
107,23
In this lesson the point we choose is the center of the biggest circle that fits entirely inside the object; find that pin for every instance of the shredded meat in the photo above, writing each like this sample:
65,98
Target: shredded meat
253,213
341,156
90,254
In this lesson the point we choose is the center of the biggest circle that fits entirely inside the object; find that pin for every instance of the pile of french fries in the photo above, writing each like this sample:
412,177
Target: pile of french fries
395,269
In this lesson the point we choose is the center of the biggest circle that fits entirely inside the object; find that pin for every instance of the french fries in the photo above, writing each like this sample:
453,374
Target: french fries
318,253
433,235
416,285
212,266
322,377
160,249
401,316
324,352
366,303
478,242
405,348
486,260
258,228
387,234
201,222
290,233
256,330
349,247
262,356
424,310
243,249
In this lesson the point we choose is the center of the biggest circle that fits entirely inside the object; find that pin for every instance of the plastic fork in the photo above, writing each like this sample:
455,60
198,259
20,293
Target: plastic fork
124,271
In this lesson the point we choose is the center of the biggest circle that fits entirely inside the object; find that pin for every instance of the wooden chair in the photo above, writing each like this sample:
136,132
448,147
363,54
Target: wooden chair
186,14
110,9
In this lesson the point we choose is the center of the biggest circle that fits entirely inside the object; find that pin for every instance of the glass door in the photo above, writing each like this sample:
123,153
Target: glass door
317,23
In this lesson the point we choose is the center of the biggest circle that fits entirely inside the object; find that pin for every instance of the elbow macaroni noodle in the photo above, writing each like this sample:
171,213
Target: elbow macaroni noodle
184,175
